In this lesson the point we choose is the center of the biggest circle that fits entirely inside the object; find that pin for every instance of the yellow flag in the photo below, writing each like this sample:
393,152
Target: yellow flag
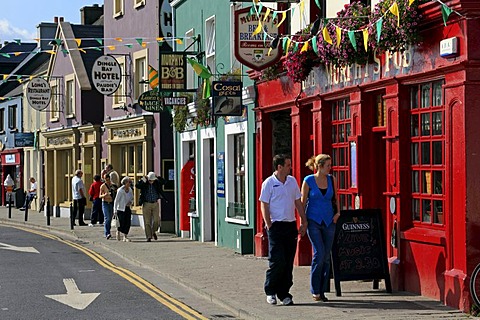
16,54
289,41
179,41
82,50
266,14
31,77
259,28
365,38
5,76
119,39
79,42
302,8
111,48
152,77
394,11
326,36
51,52
284,16
269,51
160,39
304,47
339,35
410,2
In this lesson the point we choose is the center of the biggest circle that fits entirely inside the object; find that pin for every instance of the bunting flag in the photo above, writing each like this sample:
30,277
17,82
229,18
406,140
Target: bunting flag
58,42
206,92
152,77
274,15
6,55
258,29
179,41
326,36
314,44
269,51
304,47
379,26
111,48
160,39
82,50
266,14
339,35
317,2
199,69
351,36
139,41
446,11
79,42
410,2
100,41
365,38
119,39
284,16
394,10
18,41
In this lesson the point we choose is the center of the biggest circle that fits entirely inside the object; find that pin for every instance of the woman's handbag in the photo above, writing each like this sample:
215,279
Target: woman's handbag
115,223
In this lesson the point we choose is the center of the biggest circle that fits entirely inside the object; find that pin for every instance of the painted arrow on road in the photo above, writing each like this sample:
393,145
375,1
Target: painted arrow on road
21,249
74,298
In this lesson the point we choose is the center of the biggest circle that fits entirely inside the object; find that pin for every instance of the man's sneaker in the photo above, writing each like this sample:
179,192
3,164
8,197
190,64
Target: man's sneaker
287,301
272,299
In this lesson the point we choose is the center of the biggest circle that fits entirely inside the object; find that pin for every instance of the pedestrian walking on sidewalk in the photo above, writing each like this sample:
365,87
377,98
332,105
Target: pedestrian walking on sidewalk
114,177
32,193
150,194
279,197
94,192
318,190
121,207
108,190
79,199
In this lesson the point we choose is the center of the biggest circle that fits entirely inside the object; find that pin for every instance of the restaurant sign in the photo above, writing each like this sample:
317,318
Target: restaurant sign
38,93
252,50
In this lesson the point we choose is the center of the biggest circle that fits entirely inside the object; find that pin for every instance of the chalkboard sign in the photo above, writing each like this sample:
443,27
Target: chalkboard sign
359,251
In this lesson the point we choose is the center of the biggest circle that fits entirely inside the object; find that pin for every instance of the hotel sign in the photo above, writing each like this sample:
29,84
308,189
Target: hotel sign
252,50
38,93
106,75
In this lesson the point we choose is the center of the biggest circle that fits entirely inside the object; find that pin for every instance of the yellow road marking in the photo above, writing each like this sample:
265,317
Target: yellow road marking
162,297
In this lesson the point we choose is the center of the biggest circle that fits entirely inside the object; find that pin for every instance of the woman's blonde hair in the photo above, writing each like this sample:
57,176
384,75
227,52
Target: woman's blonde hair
317,161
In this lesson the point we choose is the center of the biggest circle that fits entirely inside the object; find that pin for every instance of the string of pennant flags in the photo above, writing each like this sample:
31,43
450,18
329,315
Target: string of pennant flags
138,41
288,40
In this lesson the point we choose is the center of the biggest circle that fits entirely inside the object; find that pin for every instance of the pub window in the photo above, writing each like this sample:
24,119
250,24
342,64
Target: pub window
54,104
2,119
381,110
427,153
12,117
341,130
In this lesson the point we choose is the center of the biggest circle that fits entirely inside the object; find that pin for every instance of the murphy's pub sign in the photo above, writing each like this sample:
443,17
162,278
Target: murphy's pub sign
250,49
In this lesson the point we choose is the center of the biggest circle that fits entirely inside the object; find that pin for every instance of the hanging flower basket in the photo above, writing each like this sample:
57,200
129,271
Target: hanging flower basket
300,63
346,53
396,35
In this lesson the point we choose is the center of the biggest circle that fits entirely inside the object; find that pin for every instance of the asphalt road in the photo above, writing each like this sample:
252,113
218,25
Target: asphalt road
43,276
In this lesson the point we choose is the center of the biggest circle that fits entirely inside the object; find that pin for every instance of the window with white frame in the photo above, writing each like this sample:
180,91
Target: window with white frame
70,96
235,184
117,8
119,95
210,43
138,3
190,73
54,102
12,117
140,73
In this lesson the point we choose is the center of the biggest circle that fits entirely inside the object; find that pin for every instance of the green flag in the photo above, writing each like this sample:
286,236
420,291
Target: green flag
206,89
351,36
379,25
446,11
199,69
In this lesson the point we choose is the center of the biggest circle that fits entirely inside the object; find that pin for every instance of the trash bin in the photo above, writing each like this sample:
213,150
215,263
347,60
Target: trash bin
19,197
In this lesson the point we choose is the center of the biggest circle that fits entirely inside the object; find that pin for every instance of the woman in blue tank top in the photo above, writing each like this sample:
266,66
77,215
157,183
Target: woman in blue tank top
318,189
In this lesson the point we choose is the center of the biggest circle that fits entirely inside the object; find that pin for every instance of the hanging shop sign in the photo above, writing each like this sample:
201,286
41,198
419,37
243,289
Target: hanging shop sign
39,93
24,139
106,75
173,72
252,49
166,23
151,101
227,98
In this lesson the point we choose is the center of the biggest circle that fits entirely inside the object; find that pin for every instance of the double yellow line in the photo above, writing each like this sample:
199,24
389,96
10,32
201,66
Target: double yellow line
157,294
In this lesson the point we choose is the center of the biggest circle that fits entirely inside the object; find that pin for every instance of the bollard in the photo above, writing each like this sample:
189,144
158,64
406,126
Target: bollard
10,205
26,212
72,218
47,211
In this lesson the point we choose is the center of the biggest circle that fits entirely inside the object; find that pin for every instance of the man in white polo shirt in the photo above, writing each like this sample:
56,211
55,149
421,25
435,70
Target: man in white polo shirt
279,197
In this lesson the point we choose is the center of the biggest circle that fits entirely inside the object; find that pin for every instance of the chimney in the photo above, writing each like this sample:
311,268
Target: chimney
90,14
55,20
60,19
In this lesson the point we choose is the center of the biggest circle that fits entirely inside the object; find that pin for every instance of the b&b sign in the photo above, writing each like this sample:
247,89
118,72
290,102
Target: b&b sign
173,76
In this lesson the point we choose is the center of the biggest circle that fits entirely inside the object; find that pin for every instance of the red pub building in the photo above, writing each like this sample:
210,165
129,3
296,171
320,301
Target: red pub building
403,132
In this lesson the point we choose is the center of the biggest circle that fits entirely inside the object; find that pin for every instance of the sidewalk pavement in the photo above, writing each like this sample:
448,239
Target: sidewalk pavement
236,282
